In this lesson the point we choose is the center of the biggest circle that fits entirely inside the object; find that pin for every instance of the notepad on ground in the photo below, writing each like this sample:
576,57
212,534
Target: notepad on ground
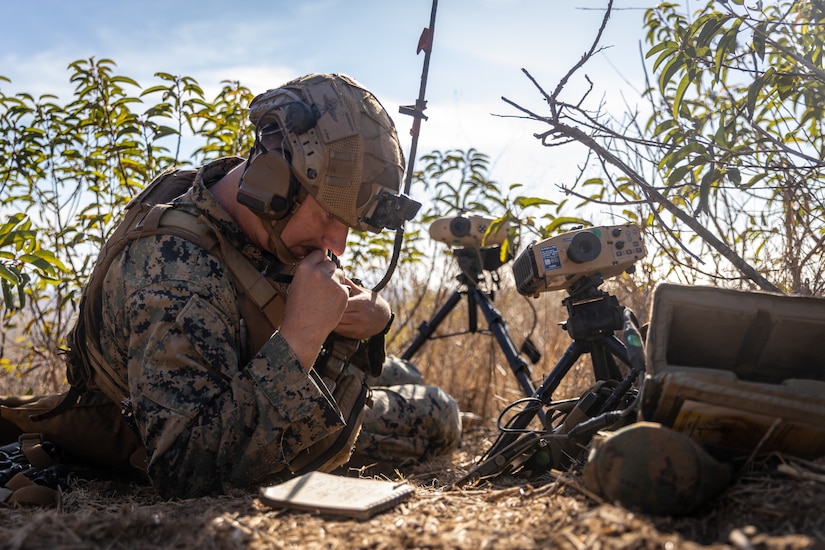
353,497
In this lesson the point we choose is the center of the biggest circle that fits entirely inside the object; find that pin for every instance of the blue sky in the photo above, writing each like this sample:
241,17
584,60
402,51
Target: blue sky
479,51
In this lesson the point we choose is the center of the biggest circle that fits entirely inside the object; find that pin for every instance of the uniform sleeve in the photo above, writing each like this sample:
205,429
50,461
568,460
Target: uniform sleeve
208,421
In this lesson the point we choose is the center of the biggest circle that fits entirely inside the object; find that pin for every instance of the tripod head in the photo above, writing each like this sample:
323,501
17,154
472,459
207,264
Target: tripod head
592,313
473,261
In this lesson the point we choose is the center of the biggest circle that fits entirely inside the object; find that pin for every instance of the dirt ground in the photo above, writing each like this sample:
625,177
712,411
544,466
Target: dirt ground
777,504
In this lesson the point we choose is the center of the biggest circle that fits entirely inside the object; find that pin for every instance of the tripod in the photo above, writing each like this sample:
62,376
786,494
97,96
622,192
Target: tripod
472,261
594,316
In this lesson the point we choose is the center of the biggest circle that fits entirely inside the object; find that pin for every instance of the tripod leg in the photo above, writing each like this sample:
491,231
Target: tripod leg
565,363
544,395
426,329
604,366
619,392
618,349
499,328
472,310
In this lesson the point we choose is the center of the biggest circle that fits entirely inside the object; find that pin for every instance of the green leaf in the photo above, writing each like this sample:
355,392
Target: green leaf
8,275
8,297
760,33
753,96
125,79
669,46
726,46
710,24
563,221
673,66
50,258
691,148
704,189
525,202
734,176
664,126
680,92
678,174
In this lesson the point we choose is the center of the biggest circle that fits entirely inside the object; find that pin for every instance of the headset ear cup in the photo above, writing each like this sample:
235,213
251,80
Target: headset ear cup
300,117
266,186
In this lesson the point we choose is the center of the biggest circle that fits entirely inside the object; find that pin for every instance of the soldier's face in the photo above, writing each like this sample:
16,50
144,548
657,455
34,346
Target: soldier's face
313,228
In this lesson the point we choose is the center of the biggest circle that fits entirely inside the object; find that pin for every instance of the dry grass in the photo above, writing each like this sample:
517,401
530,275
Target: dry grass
771,507
765,509
472,366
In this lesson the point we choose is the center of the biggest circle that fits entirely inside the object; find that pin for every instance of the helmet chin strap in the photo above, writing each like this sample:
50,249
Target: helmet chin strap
275,229
277,245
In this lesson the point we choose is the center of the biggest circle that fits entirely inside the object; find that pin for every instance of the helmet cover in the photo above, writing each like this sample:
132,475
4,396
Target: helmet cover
343,145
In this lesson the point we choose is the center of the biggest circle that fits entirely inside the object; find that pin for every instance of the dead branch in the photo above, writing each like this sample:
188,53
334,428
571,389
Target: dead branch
571,132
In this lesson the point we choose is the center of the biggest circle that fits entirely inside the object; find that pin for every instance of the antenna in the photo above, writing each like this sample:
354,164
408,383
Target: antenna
425,44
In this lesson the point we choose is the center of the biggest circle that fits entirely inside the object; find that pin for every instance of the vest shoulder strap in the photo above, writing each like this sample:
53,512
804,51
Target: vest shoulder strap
151,213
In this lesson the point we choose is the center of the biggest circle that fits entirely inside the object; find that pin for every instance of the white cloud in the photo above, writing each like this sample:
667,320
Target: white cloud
42,72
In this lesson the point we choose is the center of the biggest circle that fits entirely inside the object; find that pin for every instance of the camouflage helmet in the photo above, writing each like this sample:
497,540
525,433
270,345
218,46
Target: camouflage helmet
342,148
655,469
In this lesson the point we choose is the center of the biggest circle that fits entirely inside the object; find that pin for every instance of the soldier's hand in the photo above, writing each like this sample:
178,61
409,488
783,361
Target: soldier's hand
316,301
366,314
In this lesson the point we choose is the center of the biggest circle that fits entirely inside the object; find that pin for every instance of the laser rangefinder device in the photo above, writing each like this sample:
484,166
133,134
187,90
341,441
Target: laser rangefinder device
558,262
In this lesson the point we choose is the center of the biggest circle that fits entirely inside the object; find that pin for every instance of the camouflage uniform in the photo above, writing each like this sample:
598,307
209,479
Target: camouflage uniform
209,418
408,421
